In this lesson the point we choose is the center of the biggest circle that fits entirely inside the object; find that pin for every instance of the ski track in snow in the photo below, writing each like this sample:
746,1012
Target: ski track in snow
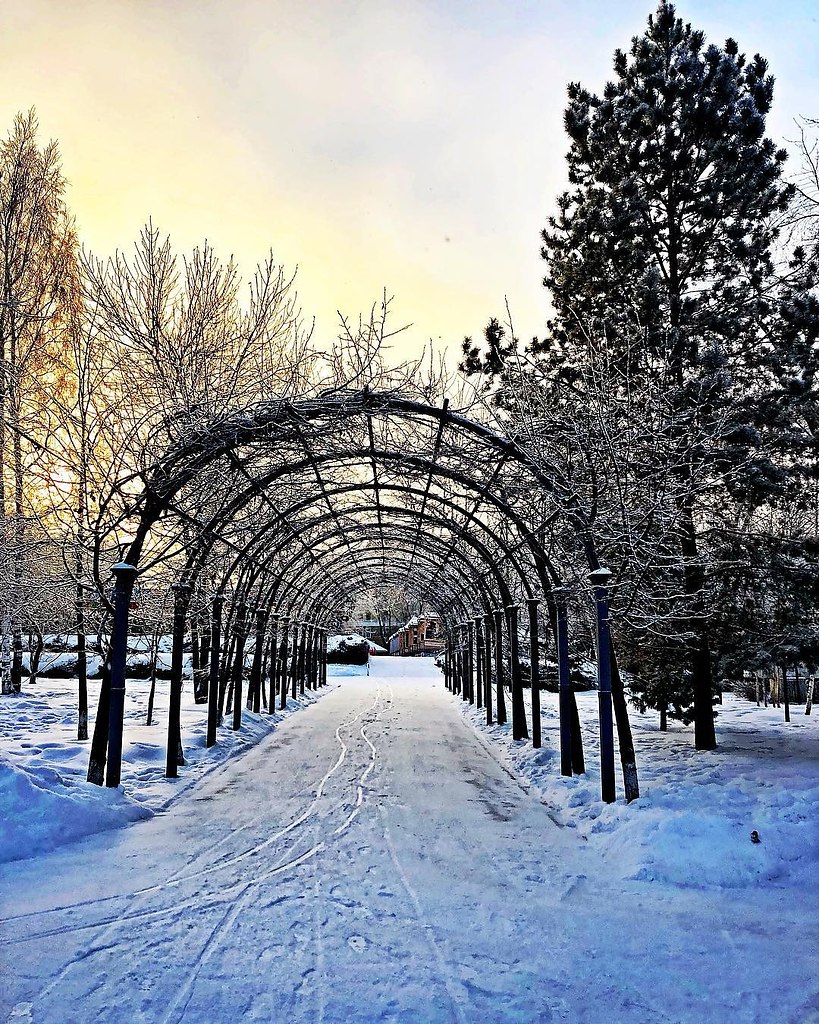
179,877
416,880
238,897
177,1008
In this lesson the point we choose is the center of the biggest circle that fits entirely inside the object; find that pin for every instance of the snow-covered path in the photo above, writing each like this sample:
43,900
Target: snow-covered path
372,861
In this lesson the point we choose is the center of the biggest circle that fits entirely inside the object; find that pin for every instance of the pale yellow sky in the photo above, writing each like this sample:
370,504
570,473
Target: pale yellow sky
414,146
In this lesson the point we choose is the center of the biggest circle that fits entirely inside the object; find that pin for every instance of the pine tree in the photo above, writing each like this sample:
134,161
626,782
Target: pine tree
663,247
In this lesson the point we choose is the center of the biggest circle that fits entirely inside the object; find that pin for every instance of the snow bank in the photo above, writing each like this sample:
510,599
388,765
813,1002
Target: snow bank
692,824
342,643
42,809
44,798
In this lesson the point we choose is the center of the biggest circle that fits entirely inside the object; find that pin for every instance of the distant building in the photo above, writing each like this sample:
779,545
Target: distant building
421,635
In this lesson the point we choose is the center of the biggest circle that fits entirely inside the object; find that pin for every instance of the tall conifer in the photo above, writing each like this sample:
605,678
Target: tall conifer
662,247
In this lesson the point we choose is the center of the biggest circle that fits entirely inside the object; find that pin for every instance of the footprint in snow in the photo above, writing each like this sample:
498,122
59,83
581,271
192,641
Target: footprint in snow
357,942
20,1014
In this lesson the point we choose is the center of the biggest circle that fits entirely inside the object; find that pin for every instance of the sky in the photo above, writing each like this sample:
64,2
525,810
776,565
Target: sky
414,147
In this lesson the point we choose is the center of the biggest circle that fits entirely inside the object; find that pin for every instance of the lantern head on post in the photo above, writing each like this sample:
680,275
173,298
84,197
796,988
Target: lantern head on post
600,577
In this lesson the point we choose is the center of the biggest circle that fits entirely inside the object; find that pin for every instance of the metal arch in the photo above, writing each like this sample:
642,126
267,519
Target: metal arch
312,600
258,487
455,528
528,537
322,566
396,532
260,423
442,599
271,422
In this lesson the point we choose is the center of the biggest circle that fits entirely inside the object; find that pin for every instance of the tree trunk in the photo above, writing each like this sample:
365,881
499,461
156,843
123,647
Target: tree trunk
82,663
99,741
16,658
174,755
152,692
785,694
628,759
35,650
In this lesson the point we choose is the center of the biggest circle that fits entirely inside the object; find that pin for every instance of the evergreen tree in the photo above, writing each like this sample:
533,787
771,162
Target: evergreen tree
663,248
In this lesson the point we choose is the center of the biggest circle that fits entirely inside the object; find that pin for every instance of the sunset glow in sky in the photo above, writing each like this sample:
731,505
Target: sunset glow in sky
415,146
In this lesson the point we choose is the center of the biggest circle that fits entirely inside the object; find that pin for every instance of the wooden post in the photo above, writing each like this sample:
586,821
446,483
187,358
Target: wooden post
809,694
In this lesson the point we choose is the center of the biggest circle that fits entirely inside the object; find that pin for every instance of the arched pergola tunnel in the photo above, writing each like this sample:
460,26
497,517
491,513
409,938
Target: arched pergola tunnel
278,515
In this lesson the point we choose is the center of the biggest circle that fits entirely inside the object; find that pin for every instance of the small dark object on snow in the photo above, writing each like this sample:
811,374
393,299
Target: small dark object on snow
755,837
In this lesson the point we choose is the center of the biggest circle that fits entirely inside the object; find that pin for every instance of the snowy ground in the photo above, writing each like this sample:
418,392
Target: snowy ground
44,798
377,857
693,822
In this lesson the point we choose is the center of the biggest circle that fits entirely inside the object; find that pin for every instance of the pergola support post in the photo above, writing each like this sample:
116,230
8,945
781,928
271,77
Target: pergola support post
599,580
258,656
240,630
564,685
478,661
303,634
464,648
520,730
282,661
213,676
501,699
294,662
470,658
534,661
487,666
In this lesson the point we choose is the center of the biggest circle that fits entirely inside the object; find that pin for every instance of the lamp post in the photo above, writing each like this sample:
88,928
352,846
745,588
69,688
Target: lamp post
599,580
